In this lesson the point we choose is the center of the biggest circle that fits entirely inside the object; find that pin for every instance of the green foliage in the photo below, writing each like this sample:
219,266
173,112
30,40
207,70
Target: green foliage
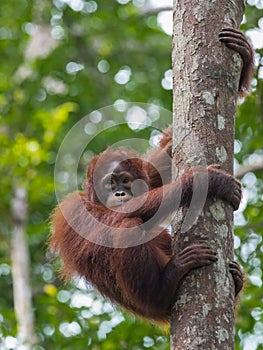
45,88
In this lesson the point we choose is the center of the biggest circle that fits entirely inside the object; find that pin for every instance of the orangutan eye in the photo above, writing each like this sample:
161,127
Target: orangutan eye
109,183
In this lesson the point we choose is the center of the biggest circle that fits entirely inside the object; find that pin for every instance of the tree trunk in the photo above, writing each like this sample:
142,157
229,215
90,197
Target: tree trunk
206,78
20,272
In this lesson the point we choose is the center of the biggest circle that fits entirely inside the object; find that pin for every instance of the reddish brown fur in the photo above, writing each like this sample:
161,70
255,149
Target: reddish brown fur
237,41
142,278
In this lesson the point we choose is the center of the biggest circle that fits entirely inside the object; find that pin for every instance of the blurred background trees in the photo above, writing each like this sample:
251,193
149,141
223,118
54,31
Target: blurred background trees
61,60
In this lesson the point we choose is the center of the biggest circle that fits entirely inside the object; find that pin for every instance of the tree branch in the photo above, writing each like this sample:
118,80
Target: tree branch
20,272
205,90
148,11
244,169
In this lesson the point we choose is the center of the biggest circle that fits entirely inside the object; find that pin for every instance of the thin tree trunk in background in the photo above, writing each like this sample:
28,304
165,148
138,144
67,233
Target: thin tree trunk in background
206,78
20,272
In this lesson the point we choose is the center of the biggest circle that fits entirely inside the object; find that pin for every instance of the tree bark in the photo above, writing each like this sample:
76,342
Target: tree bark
205,88
20,272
